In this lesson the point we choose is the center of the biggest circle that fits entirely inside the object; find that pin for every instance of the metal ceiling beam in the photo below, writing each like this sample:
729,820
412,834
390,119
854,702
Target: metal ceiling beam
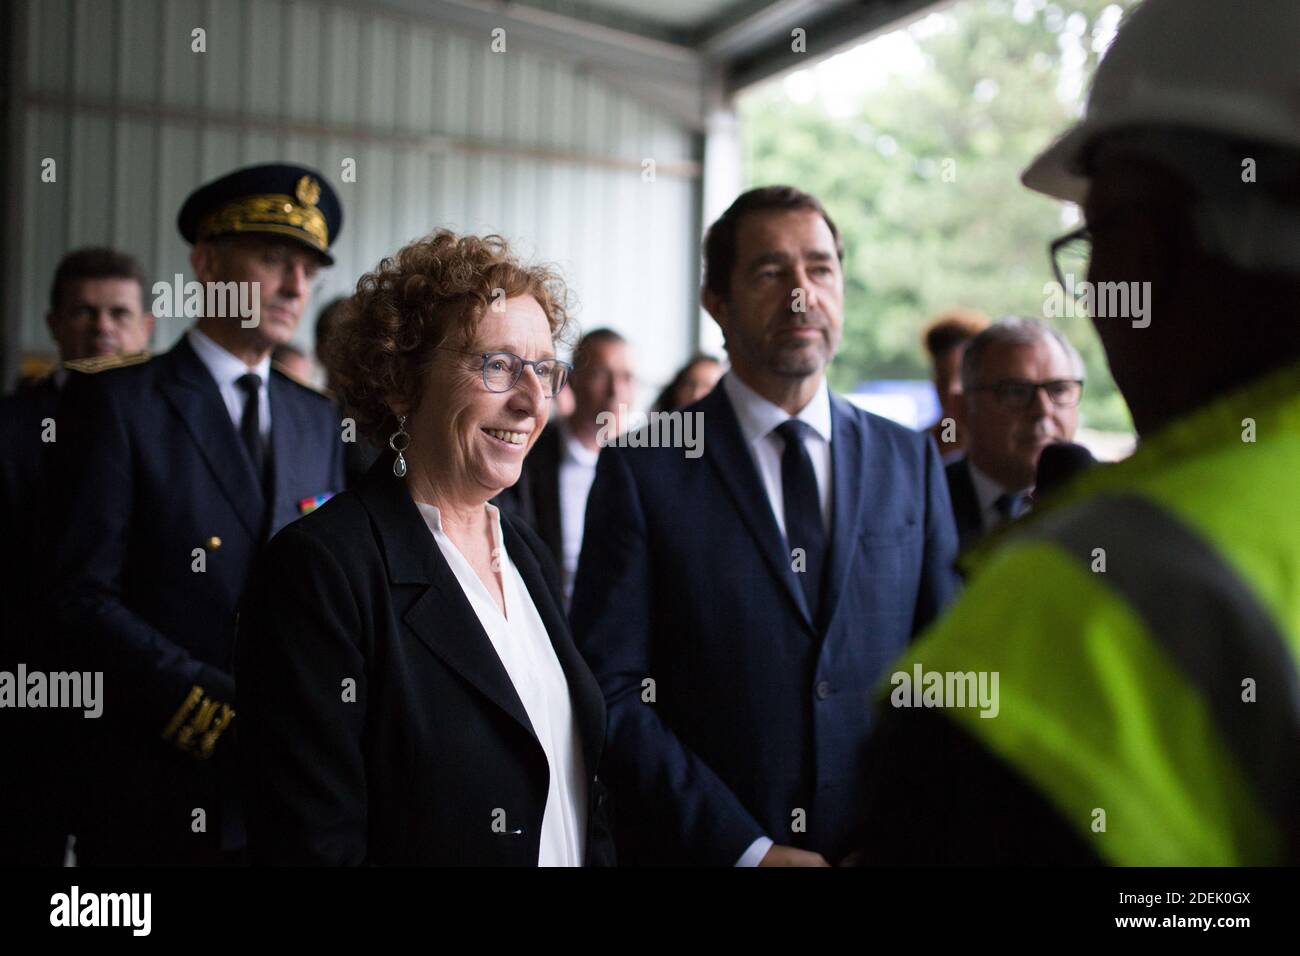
555,34
667,76
750,24
745,44
829,28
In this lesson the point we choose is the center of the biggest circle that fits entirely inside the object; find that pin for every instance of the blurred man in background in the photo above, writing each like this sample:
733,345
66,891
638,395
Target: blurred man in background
1021,384
1145,630
97,305
551,494
96,313
945,338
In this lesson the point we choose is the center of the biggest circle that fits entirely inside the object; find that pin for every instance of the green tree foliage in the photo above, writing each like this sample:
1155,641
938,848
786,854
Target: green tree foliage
923,178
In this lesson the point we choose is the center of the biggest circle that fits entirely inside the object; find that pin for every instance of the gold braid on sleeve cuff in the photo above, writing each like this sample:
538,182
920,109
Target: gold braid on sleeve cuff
207,719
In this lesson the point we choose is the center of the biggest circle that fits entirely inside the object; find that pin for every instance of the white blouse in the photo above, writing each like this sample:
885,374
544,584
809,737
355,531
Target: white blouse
526,652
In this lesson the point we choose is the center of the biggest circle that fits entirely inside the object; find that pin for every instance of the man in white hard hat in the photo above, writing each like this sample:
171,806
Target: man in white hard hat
1135,647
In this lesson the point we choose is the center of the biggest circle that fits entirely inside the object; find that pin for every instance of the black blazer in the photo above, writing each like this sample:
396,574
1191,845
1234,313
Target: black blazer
535,498
418,764
965,503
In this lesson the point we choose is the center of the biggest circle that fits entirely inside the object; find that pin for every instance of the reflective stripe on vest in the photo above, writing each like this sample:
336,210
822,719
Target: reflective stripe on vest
1211,627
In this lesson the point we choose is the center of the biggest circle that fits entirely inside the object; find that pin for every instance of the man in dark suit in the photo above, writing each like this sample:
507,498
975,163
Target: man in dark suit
551,495
1021,384
96,312
167,477
737,607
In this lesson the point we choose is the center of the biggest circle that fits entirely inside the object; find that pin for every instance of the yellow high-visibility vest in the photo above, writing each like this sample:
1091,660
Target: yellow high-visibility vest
1145,631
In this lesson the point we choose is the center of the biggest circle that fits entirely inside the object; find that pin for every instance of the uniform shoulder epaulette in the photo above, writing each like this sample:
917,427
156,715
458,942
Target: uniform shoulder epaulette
284,370
100,363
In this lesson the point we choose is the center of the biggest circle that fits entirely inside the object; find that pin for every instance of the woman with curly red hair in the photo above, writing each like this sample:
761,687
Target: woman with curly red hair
408,688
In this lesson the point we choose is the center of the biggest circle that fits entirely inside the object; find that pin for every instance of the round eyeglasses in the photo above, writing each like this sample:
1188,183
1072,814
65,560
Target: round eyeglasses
1017,395
1071,256
502,370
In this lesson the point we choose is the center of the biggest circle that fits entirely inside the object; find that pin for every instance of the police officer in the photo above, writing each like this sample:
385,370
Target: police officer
1145,631
167,477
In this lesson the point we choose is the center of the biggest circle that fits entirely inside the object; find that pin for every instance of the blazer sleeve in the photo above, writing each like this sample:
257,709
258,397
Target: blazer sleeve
940,581
87,510
302,701
611,614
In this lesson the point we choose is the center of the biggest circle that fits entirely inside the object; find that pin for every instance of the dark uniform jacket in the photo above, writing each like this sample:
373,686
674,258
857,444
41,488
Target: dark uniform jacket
155,515
34,790
428,756
22,418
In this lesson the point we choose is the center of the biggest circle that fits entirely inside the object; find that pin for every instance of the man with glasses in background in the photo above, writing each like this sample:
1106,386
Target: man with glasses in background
1021,383
551,495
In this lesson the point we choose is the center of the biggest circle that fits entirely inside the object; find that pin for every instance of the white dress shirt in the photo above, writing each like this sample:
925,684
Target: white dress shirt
758,420
226,370
987,493
525,650
577,472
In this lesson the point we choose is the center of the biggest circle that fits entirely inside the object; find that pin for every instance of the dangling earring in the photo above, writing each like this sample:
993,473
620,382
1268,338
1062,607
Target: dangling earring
399,441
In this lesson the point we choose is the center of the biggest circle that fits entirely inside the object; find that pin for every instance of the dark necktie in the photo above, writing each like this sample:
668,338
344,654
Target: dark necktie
1011,505
250,424
803,510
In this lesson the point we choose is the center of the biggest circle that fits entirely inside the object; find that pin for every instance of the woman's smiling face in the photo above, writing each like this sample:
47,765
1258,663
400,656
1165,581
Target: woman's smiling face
472,441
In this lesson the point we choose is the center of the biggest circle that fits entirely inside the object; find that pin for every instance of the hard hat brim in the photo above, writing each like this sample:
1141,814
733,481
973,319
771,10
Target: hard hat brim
1058,171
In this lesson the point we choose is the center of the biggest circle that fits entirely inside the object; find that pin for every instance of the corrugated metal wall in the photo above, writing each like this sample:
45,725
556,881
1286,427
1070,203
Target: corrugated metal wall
444,132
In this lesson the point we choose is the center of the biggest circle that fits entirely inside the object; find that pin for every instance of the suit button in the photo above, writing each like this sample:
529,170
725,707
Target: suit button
823,690
213,543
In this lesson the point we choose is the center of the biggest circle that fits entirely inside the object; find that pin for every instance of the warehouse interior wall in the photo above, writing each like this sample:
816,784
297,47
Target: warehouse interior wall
418,124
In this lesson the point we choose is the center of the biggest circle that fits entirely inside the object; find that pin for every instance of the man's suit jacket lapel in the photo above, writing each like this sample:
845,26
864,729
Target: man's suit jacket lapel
725,448
853,472
190,389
